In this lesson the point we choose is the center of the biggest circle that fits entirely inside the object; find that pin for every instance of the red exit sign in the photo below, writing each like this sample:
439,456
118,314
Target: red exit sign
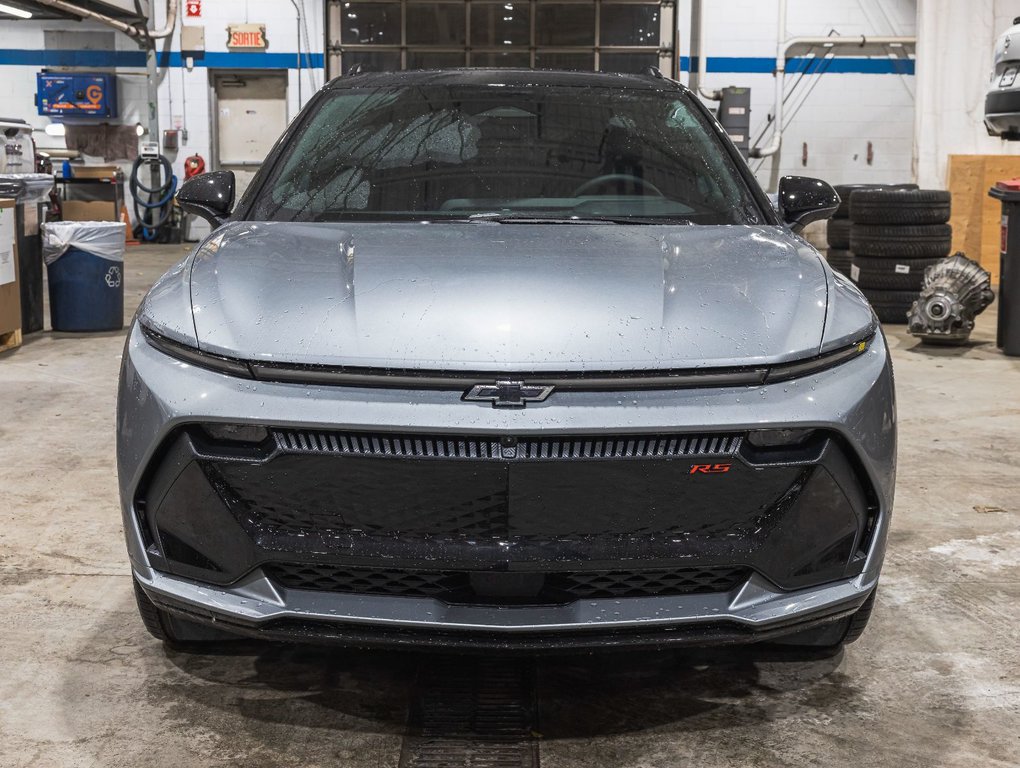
193,9
247,36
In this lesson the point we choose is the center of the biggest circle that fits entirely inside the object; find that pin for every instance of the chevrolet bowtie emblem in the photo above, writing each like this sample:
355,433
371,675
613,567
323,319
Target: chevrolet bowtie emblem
508,394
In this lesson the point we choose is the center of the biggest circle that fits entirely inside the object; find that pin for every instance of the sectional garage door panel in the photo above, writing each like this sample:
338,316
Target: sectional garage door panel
611,36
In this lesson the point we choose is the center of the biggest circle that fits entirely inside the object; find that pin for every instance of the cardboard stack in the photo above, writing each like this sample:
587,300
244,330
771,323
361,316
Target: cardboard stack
10,293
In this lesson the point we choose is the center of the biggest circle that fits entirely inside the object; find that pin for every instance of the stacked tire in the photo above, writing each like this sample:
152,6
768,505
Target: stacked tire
838,231
895,235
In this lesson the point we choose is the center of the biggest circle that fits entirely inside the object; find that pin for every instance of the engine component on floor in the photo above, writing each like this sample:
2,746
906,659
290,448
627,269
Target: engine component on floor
955,291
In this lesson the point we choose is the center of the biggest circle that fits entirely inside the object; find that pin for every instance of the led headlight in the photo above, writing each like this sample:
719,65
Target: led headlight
817,364
195,356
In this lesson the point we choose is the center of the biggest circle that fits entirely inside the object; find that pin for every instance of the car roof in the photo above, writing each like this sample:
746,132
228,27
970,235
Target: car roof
511,77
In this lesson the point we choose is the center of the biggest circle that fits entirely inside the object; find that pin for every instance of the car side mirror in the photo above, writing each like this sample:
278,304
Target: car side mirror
803,200
209,195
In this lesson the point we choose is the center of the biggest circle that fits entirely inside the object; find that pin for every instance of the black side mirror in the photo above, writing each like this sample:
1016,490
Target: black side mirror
209,195
803,200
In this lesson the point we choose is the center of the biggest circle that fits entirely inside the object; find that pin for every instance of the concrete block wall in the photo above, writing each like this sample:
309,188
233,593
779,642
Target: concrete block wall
836,114
23,53
183,93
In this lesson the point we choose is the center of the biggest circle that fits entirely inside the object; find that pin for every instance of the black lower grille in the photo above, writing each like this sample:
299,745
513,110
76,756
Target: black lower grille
590,584
463,586
796,518
487,487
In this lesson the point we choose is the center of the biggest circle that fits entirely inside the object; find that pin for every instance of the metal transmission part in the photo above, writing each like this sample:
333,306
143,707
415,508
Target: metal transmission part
955,291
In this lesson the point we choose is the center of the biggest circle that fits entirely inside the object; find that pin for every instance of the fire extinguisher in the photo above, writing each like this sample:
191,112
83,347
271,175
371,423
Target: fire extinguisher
193,166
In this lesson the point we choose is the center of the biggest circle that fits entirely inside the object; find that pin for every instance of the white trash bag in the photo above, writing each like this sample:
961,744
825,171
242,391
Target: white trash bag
104,239
26,188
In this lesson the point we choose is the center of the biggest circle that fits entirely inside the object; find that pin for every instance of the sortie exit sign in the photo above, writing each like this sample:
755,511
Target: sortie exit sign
247,37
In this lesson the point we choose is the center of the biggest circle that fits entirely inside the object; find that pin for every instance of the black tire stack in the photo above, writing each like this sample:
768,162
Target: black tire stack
896,234
838,232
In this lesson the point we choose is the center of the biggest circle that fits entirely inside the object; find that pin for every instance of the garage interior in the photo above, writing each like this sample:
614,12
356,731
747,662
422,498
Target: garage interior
934,681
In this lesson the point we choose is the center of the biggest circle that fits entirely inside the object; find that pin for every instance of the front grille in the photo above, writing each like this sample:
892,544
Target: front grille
456,586
458,447
327,482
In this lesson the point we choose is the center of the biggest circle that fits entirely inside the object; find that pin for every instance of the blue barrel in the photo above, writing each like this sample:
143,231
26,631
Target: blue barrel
85,269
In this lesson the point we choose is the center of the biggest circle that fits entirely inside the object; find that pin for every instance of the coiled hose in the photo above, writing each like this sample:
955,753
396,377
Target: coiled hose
153,215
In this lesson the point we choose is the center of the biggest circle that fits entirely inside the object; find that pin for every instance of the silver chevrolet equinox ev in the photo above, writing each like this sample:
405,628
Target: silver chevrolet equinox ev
506,360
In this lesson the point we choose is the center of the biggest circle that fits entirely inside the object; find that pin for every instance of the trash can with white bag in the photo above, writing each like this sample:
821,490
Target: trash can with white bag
85,269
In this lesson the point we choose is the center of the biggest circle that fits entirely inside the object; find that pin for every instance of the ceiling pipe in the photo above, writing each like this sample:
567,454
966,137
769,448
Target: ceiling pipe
136,33
861,46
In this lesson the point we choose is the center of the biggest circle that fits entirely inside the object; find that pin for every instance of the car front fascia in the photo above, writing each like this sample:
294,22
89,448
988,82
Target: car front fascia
161,393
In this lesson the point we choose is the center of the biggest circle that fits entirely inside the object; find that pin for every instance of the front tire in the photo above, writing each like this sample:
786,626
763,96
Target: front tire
829,639
859,621
174,631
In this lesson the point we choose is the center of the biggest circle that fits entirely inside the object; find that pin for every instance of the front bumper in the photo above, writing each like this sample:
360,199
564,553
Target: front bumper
161,396
755,612
1002,111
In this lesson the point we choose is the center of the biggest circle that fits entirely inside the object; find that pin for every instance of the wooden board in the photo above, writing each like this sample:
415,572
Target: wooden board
976,216
10,340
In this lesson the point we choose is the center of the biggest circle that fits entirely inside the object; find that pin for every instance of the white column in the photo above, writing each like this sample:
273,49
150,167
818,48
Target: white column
954,59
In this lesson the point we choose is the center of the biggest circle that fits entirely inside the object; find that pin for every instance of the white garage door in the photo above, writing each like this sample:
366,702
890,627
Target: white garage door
251,113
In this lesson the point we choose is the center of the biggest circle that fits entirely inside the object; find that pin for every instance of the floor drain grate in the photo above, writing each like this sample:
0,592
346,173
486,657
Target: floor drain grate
472,713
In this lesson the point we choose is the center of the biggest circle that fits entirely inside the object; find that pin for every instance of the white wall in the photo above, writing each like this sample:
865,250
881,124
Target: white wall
838,113
183,94
954,59
19,39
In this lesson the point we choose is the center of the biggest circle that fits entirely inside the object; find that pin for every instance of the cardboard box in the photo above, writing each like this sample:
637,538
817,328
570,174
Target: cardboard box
976,216
10,291
93,171
94,210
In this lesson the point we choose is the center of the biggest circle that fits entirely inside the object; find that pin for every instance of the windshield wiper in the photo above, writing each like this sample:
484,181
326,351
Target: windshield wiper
512,218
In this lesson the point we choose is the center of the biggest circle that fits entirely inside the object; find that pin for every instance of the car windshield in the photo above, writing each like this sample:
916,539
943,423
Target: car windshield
506,153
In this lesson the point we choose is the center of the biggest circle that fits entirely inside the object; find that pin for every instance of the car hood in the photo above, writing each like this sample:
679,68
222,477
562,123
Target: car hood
508,297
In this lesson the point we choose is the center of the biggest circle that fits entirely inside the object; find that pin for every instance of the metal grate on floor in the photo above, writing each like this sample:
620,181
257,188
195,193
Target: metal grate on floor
472,713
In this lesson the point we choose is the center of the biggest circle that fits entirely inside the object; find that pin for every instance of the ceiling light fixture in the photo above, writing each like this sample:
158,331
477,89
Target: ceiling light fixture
21,13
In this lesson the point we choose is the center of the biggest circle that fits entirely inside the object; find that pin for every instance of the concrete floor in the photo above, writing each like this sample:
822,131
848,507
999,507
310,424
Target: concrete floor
934,681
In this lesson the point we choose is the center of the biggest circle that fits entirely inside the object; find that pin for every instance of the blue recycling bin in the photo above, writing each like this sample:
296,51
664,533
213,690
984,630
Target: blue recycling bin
85,270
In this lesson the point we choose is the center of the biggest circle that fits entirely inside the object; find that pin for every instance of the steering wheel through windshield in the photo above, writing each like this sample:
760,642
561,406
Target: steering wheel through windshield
616,178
